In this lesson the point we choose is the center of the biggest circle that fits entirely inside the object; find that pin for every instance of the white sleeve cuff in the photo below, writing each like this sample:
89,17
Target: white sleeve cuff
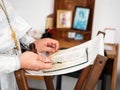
26,40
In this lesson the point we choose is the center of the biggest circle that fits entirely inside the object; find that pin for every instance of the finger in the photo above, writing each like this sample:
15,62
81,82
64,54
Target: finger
43,65
47,60
49,49
43,58
47,65
54,45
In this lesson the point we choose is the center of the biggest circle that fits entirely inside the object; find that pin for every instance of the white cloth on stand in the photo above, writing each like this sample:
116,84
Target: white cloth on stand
74,58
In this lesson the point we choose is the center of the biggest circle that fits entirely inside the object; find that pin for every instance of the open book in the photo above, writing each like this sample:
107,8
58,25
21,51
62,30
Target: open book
66,59
74,58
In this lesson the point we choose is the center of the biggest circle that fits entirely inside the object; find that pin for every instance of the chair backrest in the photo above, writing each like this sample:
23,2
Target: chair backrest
21,80
90,75
86,81
22,83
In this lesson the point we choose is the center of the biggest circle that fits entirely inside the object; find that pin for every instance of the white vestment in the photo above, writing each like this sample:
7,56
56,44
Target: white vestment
9,61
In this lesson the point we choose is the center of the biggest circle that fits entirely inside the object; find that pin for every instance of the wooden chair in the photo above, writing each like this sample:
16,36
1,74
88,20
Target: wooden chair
21,78
86,81
88,76
91,74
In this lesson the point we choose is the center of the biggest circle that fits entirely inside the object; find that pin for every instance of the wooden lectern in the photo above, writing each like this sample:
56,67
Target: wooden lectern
21,78
90,75
86,81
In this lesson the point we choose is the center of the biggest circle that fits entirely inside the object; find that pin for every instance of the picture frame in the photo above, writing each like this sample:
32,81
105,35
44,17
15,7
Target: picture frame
79,36
80,19
64,19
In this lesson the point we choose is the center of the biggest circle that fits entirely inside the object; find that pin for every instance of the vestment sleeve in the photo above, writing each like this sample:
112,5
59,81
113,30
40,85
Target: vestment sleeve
26,40
20,26
9,63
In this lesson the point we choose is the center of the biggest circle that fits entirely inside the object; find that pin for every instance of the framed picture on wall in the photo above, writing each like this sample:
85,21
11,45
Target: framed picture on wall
80,20
64,18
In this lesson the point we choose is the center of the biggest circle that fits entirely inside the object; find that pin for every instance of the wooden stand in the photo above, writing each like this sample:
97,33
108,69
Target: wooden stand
90,75
111,66
87,79
62,33
21,78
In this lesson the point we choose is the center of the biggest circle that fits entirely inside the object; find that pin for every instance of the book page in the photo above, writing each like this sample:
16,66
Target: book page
66,59
74,58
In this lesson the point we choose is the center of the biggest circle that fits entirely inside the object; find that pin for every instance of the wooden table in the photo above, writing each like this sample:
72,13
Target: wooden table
112,54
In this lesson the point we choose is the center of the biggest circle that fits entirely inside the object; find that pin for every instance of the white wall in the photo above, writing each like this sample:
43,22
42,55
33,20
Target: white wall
34,12
106,15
